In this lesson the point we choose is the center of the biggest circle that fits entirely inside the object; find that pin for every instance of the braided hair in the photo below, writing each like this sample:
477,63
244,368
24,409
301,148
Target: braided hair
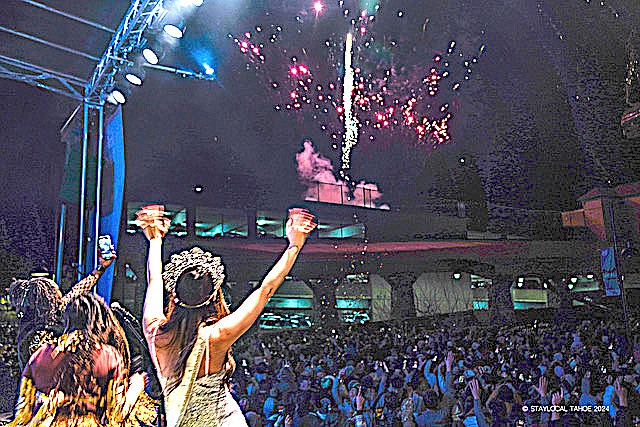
37,302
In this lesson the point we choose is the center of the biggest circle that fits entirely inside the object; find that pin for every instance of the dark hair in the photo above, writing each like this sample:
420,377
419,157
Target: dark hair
90,316
37,303
183,322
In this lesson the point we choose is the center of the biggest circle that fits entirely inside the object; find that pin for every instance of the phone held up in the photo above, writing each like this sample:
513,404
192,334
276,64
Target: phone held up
104,244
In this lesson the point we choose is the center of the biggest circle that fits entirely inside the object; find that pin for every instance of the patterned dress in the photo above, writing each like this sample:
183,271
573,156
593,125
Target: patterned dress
204,401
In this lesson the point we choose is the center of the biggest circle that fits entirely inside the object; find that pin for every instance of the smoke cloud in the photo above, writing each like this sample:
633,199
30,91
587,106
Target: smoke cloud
317,173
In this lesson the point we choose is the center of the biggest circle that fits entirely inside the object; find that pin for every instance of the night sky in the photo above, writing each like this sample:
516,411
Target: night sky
536,120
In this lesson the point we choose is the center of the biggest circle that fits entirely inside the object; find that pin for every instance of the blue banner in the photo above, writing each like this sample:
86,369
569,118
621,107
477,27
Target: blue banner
111,196
609,272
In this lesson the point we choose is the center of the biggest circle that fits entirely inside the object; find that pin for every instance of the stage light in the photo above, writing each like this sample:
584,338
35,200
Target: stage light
208,70
573,279
570,286
153,51
590,276
456,275
174,25
119,91
197,3
175,30
117,97
317,6
134,73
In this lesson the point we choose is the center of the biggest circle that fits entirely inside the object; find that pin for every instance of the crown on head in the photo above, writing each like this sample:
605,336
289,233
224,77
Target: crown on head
203,263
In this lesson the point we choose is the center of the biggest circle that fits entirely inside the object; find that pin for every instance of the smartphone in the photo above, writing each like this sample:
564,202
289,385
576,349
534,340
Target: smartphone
104,244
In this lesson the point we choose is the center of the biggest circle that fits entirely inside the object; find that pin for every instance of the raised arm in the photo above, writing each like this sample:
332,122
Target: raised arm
230,328
86,284
154,228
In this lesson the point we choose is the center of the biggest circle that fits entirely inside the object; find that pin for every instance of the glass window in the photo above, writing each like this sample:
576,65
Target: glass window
221,223
285,320
270,224
328,229
348,303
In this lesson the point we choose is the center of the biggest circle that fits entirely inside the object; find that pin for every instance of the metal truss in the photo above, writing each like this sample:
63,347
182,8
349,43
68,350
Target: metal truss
44,78
127,37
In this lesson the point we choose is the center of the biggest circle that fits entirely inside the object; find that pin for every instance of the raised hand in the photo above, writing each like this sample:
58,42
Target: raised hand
107,262
621,391
556,398
542,387
153,222
449,361
359,400
475,389
299,225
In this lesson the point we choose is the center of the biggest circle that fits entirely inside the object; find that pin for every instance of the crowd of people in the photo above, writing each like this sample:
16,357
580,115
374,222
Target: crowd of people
564,372
84,363
420,373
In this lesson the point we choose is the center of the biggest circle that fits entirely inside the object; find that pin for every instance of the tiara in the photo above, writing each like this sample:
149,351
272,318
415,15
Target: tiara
203,263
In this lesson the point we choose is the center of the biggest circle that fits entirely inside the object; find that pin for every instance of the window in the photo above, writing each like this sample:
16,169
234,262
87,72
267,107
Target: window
221,223
270,224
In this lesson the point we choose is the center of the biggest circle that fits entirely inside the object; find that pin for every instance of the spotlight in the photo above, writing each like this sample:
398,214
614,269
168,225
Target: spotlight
573,279
589,276
119,92
135,73
174,25
198,188
153,51
197,3
570,286
208,69
456,275
117,97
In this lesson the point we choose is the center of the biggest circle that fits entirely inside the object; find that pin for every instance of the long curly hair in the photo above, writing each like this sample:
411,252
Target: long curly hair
183,323
95,321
